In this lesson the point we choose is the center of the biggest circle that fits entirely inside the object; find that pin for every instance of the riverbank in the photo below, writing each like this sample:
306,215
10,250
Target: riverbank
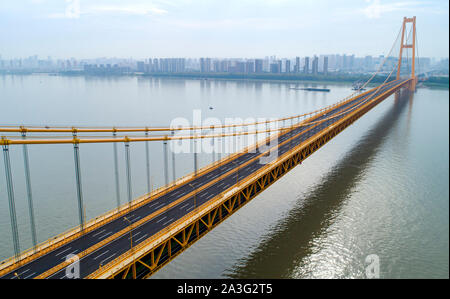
293,78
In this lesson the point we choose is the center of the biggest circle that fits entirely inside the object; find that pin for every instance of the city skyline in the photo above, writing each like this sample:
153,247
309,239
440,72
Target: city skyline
183,28
269,64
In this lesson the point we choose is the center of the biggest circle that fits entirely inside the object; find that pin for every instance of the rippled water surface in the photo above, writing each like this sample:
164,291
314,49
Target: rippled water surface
380,187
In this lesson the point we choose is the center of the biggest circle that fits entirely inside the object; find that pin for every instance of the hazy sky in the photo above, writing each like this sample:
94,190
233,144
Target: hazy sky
215,28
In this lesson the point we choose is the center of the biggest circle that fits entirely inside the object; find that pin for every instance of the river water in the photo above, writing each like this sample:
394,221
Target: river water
379,188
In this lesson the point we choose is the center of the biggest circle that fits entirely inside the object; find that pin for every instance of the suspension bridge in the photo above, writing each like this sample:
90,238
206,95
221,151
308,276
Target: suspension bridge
141,236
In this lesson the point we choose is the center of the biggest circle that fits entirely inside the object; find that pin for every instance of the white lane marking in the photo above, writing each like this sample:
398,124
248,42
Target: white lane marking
134,235
101,254
221,184
175,193
167,221
204,194
102,262
189,209
29,275
132,219
159,206
185,205
24,272
161,219
141,238
69,253
101,237
153,204
63,251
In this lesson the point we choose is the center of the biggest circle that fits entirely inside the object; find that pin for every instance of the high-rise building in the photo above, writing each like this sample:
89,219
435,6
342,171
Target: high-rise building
150,65
266,64
344,62
181,67
205,65
141,66
240,67
288,66
208,65
306,66
224,66
155,65
368,62
325,65
258,65
250,66
351,62
275,68
315,65
216,66
297,65
162,65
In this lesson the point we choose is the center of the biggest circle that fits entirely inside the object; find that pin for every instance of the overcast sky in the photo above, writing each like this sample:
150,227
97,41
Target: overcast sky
215,28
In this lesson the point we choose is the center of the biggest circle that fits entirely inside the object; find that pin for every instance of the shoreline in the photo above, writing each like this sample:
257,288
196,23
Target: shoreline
262,78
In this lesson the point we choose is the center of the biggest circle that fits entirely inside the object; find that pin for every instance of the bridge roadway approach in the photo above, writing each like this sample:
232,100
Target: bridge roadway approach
214,180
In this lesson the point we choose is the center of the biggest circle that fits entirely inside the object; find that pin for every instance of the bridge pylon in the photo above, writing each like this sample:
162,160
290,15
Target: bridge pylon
405,45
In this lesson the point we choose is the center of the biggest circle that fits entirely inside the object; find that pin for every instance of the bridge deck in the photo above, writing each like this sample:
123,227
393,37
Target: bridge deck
162,210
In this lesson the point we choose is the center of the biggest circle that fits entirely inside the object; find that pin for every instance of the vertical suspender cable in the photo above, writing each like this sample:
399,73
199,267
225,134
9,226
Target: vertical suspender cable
29,192
224,142
256,138
12,206
195,157
213,146
174,176
166,163
76,155
116,172
147,164
236,140
219,148
292,129
127,161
